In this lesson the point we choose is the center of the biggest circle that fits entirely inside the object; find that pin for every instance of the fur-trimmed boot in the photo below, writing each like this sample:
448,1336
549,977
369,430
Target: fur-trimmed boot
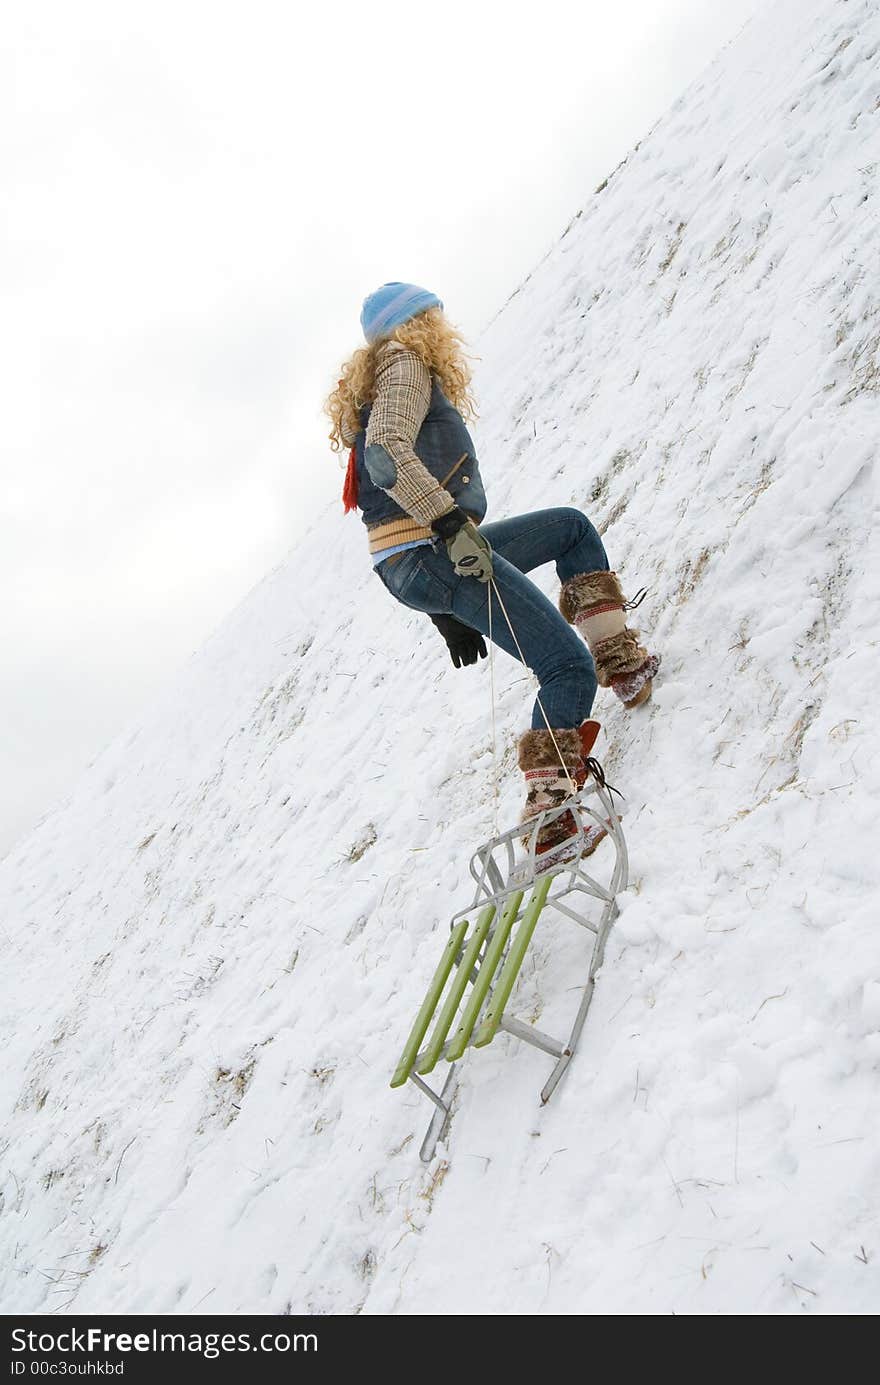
595,604
549,784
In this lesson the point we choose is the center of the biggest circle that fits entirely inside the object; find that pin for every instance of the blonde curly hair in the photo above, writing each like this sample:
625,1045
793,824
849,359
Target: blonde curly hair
434,340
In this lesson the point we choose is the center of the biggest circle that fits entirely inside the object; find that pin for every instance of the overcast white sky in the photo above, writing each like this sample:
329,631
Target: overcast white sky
198,196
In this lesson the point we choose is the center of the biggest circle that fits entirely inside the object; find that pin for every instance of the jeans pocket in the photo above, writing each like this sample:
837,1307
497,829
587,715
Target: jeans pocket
396,573
414,583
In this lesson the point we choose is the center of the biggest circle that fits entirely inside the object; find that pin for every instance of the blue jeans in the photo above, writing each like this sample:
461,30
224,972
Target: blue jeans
425,580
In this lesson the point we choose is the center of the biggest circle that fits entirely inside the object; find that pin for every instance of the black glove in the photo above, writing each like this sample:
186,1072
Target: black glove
465,645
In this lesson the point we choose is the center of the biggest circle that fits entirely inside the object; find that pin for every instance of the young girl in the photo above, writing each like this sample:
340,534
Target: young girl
401,406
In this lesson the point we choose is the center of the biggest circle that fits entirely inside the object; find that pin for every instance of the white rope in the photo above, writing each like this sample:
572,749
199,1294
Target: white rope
538,695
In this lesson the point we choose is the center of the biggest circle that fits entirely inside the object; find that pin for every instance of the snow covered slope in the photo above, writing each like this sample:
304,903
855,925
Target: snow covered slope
213,950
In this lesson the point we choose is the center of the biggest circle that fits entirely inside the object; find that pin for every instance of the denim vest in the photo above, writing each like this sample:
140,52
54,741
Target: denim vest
442,441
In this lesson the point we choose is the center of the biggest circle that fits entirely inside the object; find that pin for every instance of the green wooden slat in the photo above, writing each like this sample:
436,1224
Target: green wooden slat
456,991
487,970
509,972
429,1005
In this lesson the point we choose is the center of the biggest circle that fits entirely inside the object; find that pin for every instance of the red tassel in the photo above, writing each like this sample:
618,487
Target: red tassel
350,488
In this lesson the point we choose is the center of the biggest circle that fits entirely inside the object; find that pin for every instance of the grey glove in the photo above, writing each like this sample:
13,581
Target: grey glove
468,551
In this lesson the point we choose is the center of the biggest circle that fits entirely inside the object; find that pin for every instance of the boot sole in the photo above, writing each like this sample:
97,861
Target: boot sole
641,696
556,855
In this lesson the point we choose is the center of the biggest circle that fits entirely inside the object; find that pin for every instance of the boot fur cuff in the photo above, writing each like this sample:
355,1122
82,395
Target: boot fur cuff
621,654
535,749
588,589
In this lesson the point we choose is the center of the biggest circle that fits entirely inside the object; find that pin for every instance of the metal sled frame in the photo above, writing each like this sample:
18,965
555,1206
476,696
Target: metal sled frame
489,959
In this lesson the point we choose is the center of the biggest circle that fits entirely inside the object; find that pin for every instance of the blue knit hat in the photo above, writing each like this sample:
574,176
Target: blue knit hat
393,304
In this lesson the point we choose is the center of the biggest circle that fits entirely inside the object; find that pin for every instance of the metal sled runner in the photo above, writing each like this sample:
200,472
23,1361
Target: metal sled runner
477,972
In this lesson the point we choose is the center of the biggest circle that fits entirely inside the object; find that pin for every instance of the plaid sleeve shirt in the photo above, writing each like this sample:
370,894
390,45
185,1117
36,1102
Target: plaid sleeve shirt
401,400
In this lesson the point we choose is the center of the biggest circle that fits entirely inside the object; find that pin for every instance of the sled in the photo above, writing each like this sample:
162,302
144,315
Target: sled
475,977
